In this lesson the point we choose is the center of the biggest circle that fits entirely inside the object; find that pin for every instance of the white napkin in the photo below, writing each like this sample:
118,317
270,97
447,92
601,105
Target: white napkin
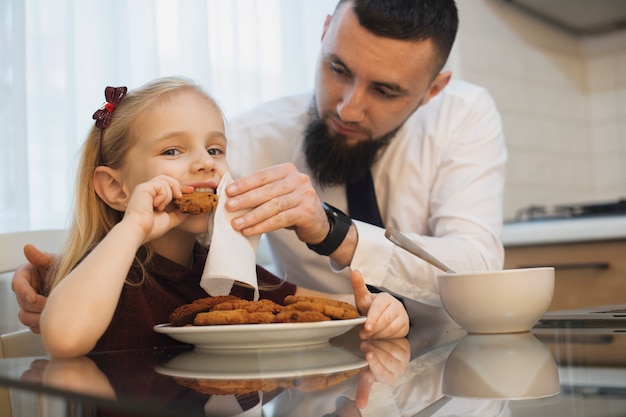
228,406
232,256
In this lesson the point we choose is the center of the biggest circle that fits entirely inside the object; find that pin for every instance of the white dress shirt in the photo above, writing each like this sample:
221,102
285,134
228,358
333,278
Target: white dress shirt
440,181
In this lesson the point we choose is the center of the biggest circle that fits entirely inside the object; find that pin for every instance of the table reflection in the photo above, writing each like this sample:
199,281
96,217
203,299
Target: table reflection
228,383
434,372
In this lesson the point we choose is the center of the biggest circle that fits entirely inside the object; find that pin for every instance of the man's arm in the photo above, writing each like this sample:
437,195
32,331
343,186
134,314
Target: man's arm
26,282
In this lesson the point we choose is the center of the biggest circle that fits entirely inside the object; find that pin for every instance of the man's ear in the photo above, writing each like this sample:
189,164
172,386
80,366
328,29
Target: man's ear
109,187
441,80
326,23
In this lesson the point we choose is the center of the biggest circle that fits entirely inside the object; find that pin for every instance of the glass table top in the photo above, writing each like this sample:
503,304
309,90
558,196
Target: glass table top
437,370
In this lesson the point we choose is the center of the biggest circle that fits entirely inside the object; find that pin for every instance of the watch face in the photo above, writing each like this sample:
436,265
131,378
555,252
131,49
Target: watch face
336,212
330,213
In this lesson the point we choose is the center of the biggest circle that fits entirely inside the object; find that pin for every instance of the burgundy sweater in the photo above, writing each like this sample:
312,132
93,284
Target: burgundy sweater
143,306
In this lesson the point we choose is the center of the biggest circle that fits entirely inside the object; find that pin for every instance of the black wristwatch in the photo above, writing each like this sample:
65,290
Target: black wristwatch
339,225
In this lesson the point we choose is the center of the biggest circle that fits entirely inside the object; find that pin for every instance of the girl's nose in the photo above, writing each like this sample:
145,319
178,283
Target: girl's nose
202,160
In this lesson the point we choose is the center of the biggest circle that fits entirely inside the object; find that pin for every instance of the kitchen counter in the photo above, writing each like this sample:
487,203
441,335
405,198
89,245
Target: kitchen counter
540,232
587,254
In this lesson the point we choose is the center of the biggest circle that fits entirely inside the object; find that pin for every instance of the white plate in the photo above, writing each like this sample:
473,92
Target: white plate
255,336
262,363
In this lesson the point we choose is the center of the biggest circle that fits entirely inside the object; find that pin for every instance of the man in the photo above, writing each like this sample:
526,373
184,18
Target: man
381,104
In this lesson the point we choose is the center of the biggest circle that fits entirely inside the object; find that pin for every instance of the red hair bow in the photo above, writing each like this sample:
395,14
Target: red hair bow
113,96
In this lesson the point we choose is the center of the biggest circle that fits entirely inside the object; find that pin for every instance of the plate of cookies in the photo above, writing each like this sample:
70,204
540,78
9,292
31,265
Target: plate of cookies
228,322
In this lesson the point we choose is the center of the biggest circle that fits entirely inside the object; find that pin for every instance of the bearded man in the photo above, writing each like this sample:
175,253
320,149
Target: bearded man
382,106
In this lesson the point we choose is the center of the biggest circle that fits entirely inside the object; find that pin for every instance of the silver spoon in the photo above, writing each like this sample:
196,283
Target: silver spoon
433,408
405,243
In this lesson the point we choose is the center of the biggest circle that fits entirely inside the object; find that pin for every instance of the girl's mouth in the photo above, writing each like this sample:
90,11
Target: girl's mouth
204,186
205,189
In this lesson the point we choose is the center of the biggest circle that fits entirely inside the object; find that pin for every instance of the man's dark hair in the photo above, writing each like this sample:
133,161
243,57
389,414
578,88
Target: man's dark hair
412,20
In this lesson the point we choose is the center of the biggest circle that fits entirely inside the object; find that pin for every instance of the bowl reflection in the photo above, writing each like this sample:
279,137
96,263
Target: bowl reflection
500,366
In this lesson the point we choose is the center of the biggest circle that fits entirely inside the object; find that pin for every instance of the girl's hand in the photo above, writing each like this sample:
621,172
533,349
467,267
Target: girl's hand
386,316
148,203
387,361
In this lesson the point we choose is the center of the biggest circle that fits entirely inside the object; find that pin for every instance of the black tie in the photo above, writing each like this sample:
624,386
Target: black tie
247,401
362,203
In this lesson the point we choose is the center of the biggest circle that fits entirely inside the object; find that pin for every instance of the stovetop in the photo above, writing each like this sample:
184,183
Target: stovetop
537,212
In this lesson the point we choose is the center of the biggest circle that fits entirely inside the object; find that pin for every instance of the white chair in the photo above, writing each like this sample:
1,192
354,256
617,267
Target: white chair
22,342
12,245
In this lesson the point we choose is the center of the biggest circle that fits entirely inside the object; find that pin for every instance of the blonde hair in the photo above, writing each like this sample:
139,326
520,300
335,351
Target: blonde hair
93,218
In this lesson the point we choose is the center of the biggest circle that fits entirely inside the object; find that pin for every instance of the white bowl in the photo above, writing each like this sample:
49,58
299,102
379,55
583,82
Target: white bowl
500,366
506,301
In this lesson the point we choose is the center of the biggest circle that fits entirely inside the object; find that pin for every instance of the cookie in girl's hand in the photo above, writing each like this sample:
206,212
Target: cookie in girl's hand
198,202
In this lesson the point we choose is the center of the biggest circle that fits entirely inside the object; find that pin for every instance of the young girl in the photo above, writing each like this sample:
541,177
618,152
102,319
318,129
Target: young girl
132,256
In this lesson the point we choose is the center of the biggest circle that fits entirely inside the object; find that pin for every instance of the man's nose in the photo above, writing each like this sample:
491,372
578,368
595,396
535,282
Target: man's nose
352,106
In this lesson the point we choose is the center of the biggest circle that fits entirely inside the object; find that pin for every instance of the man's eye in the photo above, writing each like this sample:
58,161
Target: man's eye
385,94
336,68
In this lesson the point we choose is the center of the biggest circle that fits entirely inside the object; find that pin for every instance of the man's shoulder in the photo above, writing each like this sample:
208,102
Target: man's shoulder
460,102
463,90
457,100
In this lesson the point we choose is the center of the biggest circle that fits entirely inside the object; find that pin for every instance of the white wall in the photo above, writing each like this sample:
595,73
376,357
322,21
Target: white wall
562,100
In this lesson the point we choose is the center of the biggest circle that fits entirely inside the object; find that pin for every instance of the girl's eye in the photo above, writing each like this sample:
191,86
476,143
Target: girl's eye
214,151
171,152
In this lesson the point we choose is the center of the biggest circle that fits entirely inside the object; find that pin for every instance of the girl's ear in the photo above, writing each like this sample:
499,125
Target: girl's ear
109,187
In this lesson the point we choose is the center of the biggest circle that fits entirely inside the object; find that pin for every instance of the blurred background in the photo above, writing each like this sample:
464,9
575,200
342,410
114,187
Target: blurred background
557,71
560,85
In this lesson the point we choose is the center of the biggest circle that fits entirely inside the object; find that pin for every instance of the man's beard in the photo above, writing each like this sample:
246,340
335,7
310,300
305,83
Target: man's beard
331,160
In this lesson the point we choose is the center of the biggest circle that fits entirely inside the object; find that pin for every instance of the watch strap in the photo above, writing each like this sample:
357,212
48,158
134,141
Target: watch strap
339,225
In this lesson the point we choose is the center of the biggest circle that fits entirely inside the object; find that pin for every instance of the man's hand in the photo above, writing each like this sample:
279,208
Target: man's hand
26,282
278,197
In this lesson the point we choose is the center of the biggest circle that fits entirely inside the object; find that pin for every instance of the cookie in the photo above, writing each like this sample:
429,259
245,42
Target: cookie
198,202
185,314
222,387
339,310
290,299
263,305
239,316
295,316
332,311
312,383
304,383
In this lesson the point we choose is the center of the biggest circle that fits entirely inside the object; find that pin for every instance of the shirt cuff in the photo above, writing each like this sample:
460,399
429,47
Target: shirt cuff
372,254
